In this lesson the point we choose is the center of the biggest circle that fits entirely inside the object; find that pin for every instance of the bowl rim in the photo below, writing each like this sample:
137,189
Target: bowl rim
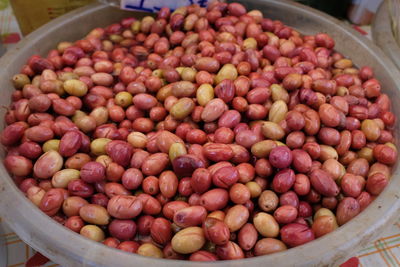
40,235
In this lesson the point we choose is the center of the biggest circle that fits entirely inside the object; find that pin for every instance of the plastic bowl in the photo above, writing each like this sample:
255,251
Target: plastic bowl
70,249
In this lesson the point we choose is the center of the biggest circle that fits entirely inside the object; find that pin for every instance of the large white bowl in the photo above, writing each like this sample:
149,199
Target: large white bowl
70,249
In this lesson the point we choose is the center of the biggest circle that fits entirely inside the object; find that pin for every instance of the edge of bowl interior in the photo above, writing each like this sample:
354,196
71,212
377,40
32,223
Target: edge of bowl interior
70,249
383,35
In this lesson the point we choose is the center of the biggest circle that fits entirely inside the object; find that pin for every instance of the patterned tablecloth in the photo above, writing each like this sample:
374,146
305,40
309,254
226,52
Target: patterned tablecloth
384,251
